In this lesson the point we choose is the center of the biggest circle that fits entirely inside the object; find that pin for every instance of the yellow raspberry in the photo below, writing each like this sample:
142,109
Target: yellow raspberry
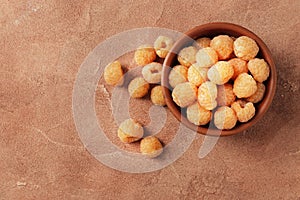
157,96
220,73
245,48
197,75
259,69
152,72
259,94
244,86
223,45
130,131
239,66
225,95
151,147
163,45
225,118
206,57
187,56
144,55
138,87
207,94
184,94
244,110
178,75
203,42
198,115
113,73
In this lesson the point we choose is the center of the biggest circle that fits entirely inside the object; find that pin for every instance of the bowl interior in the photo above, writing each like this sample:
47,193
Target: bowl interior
210,30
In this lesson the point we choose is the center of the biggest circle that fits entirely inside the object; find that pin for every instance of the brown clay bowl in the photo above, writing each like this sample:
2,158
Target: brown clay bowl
210,30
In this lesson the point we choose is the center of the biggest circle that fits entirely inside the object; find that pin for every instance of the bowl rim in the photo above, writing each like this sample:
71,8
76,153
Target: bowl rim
195,33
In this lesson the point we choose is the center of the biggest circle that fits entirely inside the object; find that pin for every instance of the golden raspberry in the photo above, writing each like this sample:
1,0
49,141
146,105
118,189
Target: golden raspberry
163,45
244,86
157,96
220,73
197,75
206,57
259,94
113,73
259,69
225,118
187,56
207,94
203,42
151,147
225,95
184,94
239,66
178,75
152,72
245,48
198,115
144,55
223,45
138,87
130,131
244,110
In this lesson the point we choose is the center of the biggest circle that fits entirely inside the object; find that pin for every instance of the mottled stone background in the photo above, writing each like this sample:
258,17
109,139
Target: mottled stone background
43,44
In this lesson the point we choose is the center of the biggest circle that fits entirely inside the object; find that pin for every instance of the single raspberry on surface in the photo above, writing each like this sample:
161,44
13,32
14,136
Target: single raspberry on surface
130,131
113,74
144,55
152,72
138,87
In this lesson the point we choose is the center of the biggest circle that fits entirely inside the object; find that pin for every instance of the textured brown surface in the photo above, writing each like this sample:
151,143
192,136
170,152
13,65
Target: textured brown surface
43,44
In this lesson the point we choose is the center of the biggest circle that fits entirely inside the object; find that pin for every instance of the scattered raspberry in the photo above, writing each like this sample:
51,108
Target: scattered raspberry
130,131
152,72
245,48
178,75
244,86
259,94
259,69
113,73
151,147
198,115
144,55
225,95
206,57
157,96
184,94
163,45
138,87
223,45
187,56
197,75
207,94
225,118
244,110
203,42
239,66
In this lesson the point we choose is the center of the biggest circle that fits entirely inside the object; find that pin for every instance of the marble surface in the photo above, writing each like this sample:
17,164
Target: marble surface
43,44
